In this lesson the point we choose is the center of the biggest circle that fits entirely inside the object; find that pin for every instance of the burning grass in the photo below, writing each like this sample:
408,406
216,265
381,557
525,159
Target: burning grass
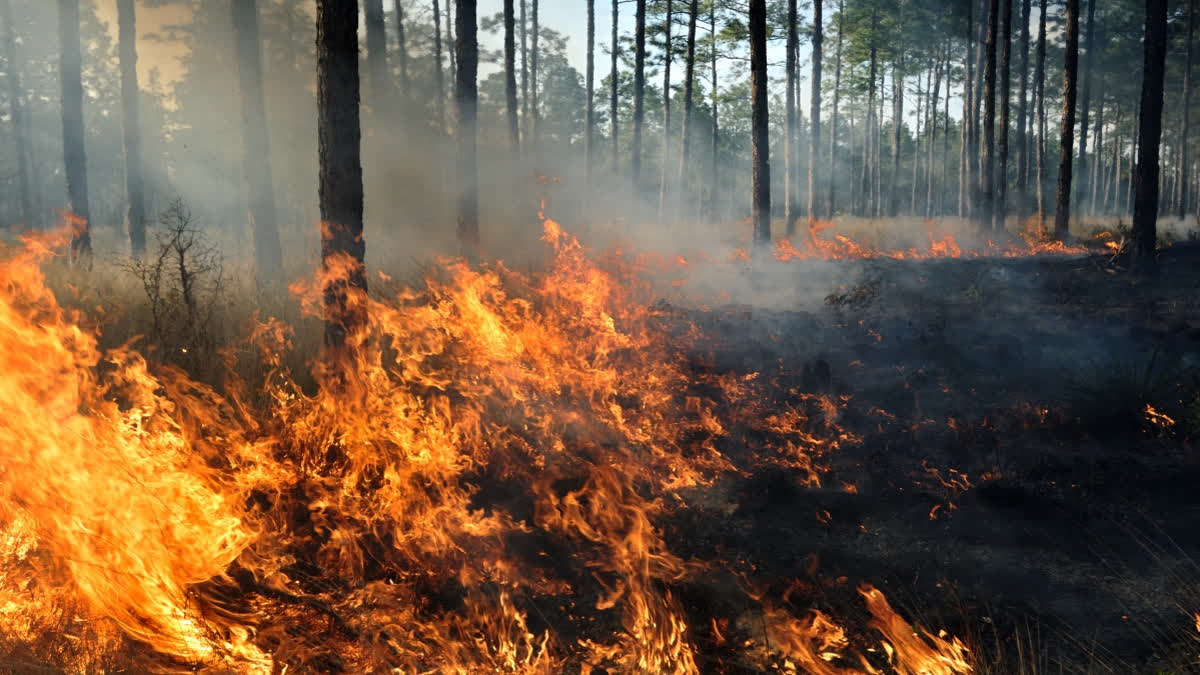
516,472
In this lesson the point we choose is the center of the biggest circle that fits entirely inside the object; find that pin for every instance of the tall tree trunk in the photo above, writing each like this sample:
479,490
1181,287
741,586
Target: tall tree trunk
1062,212
897,123
987,181
791,205
74,156
1106,204
1185,116
589,135
16,112
1133,156
439,82
535,109
510,79
923,92
1145,206
1080,185
689,87
377,64
260,188
814,142
525,72
760,124
1098,161
614,84
715,178
339,137
931,136
967,148
942,210
466,95
869,124
639,93
135,198
1039,80
977,107
1000,209
451,40
666,140
402,48
1023,115
831,205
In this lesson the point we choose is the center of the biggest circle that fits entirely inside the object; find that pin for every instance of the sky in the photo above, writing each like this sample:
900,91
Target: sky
565,16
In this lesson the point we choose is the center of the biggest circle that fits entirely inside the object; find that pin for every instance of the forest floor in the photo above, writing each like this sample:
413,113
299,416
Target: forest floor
1027,475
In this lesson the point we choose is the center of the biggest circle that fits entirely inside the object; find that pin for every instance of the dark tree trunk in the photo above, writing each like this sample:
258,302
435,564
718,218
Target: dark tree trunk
1039,80
17,113
534,50
814,143
74,156
466,94
870,134
1066,143
451,49
639,94
942,209
525,73
510,79
402,48
987,180
1080,185
1145,205
589,136
689,88
760,124
967,147
791,206
1098,162
897,122
1023,115
831,206
377,64
931,136
666,140
135,200
260,188
714,184
1185,117
439,82
339,137
614,84
1000,208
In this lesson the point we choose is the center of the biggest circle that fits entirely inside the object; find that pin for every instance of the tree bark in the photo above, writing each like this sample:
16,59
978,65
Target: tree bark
510,78
897,123
614,84
1185,117
74,155
931,137
377,64
589,135
639,94
1145,205
339,136
451,40
714,184
831,205
791,206
534,50
260,187
17,112
967,147
525,72
1098,161
439,83
1000,208
760,123
870,134
666,140
1080,185
1023,115
402,48
466,95
987,181
135,198
1039,79
814,143
689,86
1062,213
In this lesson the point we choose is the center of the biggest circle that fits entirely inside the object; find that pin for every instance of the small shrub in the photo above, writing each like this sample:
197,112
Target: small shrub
183,282
1115,395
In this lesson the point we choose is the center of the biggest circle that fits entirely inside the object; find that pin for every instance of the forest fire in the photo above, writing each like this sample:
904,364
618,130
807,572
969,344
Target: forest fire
489,418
